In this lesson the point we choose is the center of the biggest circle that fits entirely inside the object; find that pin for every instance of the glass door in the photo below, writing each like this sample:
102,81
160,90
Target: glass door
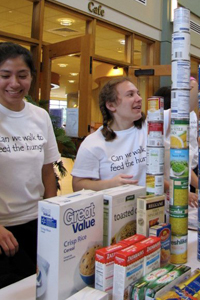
66,81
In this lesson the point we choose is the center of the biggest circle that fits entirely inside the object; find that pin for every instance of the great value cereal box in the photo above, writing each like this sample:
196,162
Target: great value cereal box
120,208
150,212
128,268
70,229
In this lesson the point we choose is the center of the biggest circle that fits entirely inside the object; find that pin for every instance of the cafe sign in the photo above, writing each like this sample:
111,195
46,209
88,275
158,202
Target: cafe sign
97,10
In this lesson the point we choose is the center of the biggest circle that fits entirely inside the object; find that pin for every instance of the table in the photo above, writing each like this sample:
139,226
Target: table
26,289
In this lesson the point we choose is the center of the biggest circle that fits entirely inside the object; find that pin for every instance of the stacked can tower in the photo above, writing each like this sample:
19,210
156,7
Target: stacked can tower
198,241
155,146
179,135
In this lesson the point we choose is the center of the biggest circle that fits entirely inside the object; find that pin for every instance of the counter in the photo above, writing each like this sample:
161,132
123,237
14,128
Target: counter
26,290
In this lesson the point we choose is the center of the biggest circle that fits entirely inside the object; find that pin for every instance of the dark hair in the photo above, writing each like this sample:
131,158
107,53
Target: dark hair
109,94
11,50
165,92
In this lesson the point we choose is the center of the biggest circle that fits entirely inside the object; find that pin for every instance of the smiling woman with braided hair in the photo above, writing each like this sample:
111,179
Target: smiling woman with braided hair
115,154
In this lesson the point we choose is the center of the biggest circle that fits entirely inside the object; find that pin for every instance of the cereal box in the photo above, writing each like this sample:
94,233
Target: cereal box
104,262
104,267
89,293
164,232
167,281
120,212
139,288
150,211
128,268
70,229
152,253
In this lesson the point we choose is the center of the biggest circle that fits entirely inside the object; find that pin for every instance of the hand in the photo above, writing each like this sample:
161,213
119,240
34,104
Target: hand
8,242
123,179
193,199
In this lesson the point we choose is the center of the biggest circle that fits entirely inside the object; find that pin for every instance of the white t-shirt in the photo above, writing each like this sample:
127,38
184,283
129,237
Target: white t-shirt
27,142
126,154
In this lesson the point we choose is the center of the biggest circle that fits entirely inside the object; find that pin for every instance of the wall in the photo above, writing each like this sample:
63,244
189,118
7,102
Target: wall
149,14
193,5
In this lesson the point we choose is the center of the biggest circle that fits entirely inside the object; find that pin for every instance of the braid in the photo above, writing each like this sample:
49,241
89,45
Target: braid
107,132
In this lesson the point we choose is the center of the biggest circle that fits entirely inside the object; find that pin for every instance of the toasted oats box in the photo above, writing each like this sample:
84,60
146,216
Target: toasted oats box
70,230
150,212
163,231
104,263
152,253
89,293
128,268
120,207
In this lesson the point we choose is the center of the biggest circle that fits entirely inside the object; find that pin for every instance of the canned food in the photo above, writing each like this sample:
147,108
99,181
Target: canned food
179,135
178,191
154,184
155,160
178,218
180,104
180,45
155,108
198,244
181,19
178,249
155,134
179,163
181,74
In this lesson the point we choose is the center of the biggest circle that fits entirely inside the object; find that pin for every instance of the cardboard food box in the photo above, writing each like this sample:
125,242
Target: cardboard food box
120,207
150,212
104,263
164,232
70,229
128,268
104,267
139,288
166,282
152,253
89,293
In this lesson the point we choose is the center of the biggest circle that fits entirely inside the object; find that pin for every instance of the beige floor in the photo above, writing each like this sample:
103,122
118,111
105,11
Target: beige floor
66,182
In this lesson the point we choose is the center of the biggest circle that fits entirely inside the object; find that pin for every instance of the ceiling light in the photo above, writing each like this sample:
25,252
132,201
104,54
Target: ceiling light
62,65
66,22
74,74
71,81
122,42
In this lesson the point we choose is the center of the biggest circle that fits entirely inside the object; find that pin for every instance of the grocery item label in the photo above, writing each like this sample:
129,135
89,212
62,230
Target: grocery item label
180,46
178,191
180,104
155,160
181,74
178,249
155,108
179,163
179,137
155,134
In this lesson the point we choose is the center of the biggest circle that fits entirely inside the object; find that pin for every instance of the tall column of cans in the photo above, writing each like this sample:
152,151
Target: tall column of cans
155,146
198,238
179,135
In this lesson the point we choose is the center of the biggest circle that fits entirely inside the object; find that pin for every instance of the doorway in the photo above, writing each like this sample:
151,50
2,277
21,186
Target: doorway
79,52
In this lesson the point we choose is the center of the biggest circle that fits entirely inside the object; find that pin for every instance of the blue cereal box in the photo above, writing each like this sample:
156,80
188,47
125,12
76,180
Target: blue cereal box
163,231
